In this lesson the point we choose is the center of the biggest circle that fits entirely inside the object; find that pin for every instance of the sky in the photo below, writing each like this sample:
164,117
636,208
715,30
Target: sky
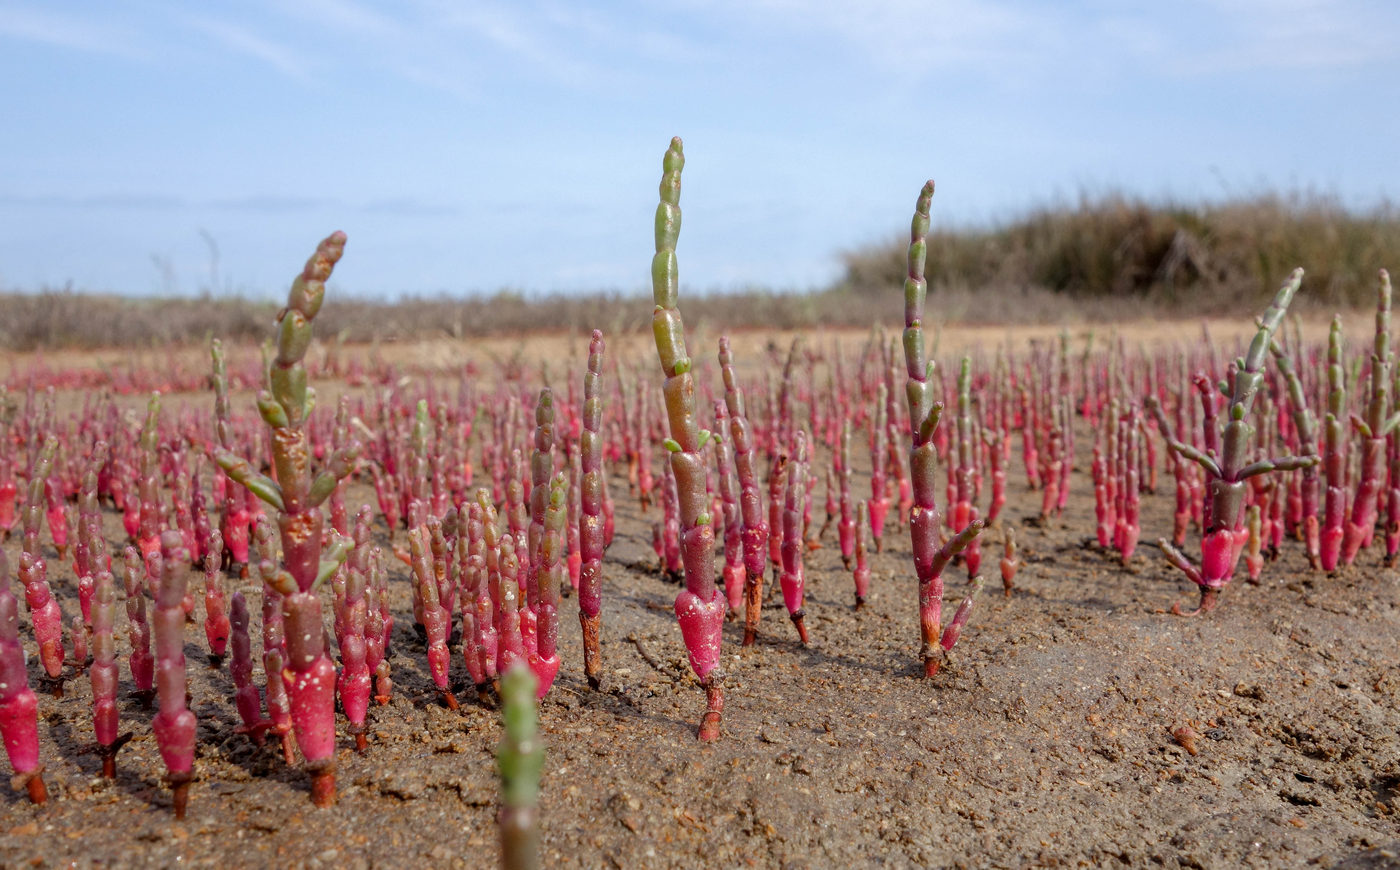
468,147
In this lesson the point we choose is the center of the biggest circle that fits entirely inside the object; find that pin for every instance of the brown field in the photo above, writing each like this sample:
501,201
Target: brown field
1047,740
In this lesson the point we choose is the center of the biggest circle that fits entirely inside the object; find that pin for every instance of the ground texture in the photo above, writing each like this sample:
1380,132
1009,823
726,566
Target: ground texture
1047,740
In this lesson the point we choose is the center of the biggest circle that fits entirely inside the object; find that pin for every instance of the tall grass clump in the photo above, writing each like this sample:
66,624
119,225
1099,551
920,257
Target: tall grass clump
1224,254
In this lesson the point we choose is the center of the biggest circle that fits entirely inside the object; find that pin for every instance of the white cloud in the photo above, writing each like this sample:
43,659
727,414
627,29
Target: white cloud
288,61
79,33
1009,39
1297,34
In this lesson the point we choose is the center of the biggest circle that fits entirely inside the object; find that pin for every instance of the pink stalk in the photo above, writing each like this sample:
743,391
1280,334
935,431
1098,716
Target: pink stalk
1373,431
965,509
1335,456
1029,453
646,481
471,550
488,597
141,662
591,496
879,503
1128,530
274,641
700,606
996,458
929,558
750,496
846,525
1009,562
672,566
233,514
44,612
297,497
1254,546
902,483
861,573
832,506
353,684
1226,468
510,643
19,708
1051,466
733,525
78,634
57,517
573,545
518,518
8,493
794,574
777,487
1105,513
379,627
541,470
954,629
45,616
1183,474
216,622
174,725
340,439
435,619
103,673
1392,502
148,481
245,694
545,661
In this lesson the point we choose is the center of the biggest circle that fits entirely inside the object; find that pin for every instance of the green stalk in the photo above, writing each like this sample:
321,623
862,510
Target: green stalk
520,759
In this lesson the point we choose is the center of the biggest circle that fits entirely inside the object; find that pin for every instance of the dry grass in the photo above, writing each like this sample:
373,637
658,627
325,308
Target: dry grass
1102,260
1216,258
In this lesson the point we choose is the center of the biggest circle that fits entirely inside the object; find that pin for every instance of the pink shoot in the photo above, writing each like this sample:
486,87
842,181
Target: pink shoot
174,725
19,709
591,495
700,606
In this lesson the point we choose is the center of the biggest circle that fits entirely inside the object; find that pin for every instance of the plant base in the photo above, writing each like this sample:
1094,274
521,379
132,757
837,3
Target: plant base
1209,598
714,701
33,783
109,755
932,664
799,619
179,792
322,783
592,658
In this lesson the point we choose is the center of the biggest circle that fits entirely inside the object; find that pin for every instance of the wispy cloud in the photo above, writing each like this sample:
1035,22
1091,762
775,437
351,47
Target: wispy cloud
406,206
911,36
288,61
265,204
1295,34
73,32
463,48
343,15
1007,38
119,201
518,31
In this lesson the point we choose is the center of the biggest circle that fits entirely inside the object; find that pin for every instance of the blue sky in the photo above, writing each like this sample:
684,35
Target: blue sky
469,146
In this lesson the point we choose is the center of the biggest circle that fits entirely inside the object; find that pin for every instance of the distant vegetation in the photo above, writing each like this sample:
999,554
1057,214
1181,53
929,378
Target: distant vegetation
1101,259
1218,257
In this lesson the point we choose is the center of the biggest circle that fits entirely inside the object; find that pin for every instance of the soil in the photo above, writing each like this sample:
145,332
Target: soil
1055,735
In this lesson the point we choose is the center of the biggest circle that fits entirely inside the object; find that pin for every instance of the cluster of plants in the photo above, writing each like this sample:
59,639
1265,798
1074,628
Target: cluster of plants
493,497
